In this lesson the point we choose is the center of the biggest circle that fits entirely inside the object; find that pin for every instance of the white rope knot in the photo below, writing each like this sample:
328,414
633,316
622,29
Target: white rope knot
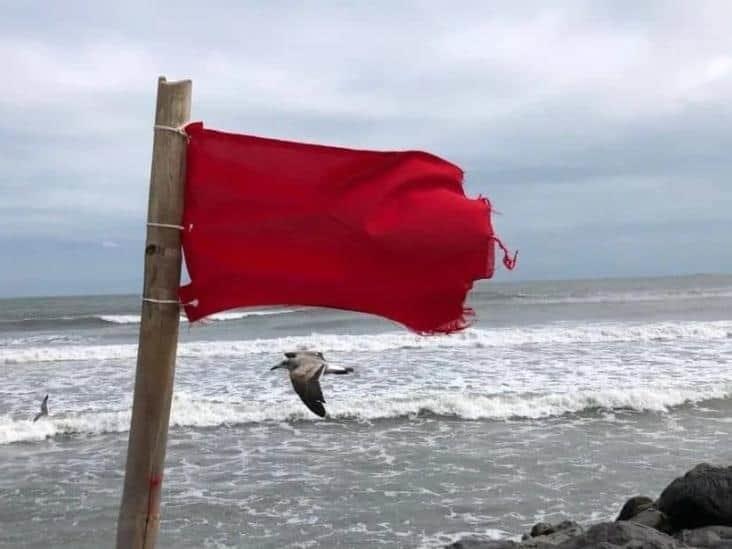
179,130
165,225
193,303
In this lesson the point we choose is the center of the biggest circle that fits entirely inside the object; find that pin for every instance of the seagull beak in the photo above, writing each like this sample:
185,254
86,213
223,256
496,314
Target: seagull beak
280,365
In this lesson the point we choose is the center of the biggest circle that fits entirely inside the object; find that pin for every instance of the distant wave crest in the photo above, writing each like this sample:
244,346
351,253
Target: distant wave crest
218,317
621,297
98,320
192,412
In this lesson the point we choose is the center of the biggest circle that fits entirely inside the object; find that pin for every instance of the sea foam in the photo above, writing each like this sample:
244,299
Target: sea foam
552,334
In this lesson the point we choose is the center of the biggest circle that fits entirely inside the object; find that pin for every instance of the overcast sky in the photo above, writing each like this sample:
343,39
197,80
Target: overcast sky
602,131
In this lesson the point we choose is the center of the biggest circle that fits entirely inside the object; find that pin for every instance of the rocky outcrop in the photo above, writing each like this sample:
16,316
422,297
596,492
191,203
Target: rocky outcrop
622,534
542,536
541,529
653,518
552,534
702,497
710,537
607,535
693,512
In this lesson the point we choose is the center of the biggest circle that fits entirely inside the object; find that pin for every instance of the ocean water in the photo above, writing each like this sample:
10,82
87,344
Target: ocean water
561,401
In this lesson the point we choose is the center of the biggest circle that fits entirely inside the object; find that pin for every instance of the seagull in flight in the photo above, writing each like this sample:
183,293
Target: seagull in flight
44,409
305,369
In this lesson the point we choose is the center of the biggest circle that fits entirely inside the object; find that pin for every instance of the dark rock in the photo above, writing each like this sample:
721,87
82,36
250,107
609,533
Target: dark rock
566,525
563,531
622,535
483,543
634,506
653,518
545,529
709,537
559,534
541,529
702,497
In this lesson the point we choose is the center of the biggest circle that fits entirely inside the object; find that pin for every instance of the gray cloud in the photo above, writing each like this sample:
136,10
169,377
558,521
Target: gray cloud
600,130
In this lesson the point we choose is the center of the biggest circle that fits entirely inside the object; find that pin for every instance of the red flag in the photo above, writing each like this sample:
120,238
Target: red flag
269,222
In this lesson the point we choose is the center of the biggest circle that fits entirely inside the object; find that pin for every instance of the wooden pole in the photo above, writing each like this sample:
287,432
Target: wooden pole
139,514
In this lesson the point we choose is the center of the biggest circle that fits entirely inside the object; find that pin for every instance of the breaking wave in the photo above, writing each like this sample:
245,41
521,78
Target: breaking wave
194,412
553,334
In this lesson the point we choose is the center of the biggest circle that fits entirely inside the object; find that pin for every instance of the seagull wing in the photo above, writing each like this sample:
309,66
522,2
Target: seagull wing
305,379
337,369
44,406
